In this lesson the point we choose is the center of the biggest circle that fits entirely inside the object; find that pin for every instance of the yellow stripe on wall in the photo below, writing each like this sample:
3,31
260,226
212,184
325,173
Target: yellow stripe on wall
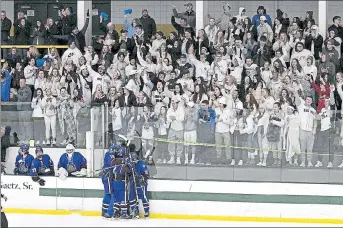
184,217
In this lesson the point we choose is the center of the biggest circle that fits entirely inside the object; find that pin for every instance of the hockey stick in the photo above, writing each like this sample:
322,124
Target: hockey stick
134,179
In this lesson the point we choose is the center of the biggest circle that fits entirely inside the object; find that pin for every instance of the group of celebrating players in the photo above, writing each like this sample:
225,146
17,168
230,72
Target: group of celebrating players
125,180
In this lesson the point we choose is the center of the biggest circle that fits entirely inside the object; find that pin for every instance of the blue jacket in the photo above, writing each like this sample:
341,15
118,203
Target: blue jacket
130,29
256,19
75,163
42,167
211,120
5,87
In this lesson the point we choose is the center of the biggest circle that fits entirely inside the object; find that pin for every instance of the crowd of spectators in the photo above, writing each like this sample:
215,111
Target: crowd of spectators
251,85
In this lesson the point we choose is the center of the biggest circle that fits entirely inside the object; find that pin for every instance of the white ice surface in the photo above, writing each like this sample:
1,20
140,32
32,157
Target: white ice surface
76,220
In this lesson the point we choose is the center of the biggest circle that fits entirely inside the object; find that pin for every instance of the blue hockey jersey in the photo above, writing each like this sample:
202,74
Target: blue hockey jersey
45,166
108,162
72,163
23,165
142,173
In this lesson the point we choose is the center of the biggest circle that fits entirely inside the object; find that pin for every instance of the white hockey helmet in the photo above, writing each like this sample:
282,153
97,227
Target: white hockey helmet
70,148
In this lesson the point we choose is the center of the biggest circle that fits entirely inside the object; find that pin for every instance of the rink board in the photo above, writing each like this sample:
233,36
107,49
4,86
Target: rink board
234,201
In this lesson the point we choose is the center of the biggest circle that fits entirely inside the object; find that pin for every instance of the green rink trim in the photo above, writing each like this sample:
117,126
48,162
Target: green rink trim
197,196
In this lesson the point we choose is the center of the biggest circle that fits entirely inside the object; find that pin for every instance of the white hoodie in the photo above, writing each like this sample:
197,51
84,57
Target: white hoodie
73,54
201,69
240,17
220,70
302,57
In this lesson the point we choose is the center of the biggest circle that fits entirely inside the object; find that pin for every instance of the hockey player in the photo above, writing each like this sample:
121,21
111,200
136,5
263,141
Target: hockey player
23,161
42,165
132,188
120,172
141,181
4,222
72,163
106,177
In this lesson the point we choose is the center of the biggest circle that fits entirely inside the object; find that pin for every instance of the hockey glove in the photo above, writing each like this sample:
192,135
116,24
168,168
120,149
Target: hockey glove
16,171
62,173
41,182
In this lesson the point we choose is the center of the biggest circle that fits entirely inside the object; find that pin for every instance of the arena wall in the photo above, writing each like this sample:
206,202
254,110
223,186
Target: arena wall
234,201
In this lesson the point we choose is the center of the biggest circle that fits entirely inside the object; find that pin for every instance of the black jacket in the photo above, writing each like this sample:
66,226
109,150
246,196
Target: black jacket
5,143
79,38
6,25
260,58
200,44
129,45
318,44
131,100
16,76
114,35
17,22
13,60
149,27
108,58
68,23
22,35
181,29
50,32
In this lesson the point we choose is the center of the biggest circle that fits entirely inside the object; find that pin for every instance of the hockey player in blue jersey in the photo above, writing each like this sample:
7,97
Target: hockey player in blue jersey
42,165
107,172
119,180
23,161
72,163
132,188
141,181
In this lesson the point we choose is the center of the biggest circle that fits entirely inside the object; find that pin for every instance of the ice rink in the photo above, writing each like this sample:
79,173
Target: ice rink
32,220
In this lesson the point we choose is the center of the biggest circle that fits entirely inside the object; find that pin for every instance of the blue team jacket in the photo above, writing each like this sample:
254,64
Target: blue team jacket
76,163
5,87
24,164
39,167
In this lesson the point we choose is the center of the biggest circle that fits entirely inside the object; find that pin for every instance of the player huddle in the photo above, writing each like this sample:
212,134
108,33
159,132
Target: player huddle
125,180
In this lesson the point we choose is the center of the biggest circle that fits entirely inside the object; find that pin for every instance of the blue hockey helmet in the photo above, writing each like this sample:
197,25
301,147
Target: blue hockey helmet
114,147
39,151
24,149
118,154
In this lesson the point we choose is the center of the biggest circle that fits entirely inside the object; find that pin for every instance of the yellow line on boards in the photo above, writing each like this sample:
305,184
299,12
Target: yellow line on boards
188,217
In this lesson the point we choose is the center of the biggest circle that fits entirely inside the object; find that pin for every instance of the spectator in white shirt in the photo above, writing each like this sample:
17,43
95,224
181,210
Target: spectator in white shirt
175,116
219,67
308,126
211,30
30,74
49,111
41,81
223,136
